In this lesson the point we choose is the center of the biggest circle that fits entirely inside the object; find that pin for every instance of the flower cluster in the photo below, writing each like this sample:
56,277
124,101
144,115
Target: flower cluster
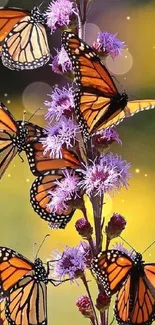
61,103
108,44
90,169
63,134
59,14
72,262
106,175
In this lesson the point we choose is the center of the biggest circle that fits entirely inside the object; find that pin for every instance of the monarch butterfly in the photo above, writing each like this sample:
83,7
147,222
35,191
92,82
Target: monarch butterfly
98,104
134,283
23,39
17,136
23,286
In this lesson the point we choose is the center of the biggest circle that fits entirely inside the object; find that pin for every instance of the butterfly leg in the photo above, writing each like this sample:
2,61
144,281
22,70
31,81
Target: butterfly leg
59,281
22,160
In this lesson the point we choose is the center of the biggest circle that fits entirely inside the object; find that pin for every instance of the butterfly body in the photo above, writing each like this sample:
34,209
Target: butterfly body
25,45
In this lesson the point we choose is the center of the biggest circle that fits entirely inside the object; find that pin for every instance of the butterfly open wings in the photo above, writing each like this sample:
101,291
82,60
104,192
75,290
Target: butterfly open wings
134,283
23,39
98,104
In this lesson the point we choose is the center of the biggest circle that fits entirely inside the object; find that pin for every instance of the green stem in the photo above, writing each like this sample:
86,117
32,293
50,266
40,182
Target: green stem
90,240
91,301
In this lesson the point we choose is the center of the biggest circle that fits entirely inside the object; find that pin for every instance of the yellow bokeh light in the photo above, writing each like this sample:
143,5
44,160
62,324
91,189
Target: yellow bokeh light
137,170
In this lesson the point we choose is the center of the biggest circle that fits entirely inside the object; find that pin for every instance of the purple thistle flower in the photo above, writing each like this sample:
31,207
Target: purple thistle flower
62,103
61,62
108,44
105,137
109,174
121,167
84,247
62,134
84,305
59,13
70,263
115,226
98,178
120,247
66,189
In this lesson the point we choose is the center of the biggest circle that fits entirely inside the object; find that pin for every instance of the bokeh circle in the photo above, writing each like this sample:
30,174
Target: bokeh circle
91,31
121,64
3,3
34,97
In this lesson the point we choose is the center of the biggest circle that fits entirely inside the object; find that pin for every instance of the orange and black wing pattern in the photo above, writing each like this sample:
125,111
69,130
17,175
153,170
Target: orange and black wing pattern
95,85
111,268
25,45
3,319
8,19
13,267
135,302
40,162
40,198
26,304
23,290
98,105
132,107
8,132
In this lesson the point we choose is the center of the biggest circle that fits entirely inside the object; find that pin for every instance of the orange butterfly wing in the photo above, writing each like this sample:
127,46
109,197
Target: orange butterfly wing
3,319
27,303
135,303
40,198
98,104
131,108
8,19
8,131
40,163
13,267
96,87
111,268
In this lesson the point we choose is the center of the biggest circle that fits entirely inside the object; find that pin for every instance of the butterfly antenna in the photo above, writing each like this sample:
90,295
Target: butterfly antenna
34,246
41,4
149,247
127,243
119,83
24,114
38,109
41,245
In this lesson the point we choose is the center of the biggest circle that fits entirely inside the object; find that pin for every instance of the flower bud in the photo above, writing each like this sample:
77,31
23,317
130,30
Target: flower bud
84,305
102,302
115,226
84,228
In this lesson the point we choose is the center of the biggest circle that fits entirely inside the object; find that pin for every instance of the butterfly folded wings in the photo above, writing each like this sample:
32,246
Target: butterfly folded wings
23,39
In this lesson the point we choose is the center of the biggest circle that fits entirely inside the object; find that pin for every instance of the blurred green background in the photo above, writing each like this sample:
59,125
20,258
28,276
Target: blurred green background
134,21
